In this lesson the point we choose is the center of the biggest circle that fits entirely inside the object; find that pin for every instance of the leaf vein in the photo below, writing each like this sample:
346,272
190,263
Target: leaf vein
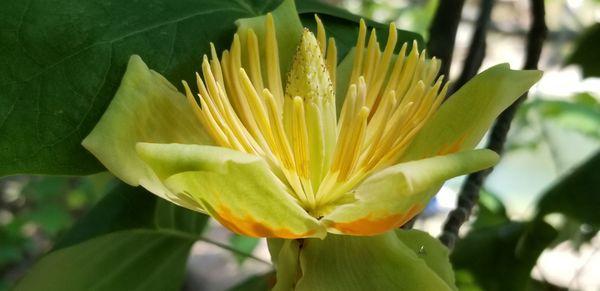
116,39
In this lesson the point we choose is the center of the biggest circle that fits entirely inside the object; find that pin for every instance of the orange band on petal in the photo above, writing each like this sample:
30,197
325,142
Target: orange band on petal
248,226
454,147
369,226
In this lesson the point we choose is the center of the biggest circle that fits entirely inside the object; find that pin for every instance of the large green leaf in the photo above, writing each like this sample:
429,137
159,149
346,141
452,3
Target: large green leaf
130,232
62,62
501,256
586,52
576,195
124,207
126,260
127,208
262,282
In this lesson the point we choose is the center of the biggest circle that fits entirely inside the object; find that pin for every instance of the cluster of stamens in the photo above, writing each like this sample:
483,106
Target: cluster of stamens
318,156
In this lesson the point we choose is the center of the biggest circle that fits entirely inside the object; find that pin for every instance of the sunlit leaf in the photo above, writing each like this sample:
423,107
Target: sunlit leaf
586,52
500,257
576,195
244,244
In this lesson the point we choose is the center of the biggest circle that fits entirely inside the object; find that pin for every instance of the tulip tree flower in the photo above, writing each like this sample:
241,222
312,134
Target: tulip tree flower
277,140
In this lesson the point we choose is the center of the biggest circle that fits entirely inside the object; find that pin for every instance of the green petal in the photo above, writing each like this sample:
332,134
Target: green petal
463,119
384,262
288,29
146,108
237,189
393,196
284,254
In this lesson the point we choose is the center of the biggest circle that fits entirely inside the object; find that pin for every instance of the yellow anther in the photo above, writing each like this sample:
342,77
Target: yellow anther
254,60
321,34
331,61
359,51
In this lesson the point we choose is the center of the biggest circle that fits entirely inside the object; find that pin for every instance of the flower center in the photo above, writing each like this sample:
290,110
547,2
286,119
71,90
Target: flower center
318,156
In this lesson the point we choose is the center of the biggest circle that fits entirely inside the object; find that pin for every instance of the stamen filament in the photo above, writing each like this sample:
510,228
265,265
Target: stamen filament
318,157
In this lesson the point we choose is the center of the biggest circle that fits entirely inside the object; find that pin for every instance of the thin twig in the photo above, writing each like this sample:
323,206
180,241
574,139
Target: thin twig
442,32
469,193
478,45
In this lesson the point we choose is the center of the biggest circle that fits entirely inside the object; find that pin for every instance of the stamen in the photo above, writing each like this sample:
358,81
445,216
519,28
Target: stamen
272,58
318,157
301,148
254,60
214,131
372,58
332,61
359,51
215,65
381,68
320,34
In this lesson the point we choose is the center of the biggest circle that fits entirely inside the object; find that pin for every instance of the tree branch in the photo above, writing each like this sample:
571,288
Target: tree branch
469,193
442,32
478,45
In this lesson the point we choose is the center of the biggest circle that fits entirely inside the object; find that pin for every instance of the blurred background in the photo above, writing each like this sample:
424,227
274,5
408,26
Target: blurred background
555,131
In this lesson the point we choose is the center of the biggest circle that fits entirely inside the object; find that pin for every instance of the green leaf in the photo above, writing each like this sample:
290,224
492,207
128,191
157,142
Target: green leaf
170,216
586,54
261,282
244,244
491,211
124,207
500,257
581,114
130,234
127,208
385,262
127,260
576,195
63,61
51,218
